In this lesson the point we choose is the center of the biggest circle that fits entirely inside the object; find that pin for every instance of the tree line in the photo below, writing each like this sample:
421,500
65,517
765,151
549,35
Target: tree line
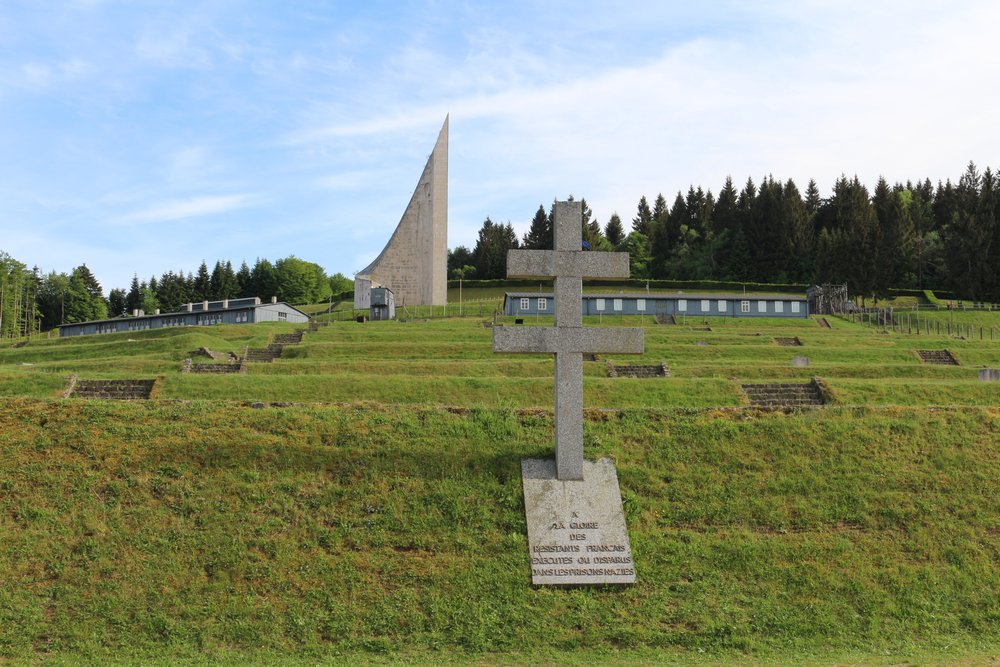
32,301
911,235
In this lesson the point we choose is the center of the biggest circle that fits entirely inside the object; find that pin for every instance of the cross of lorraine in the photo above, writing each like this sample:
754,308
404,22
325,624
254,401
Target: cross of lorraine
568,339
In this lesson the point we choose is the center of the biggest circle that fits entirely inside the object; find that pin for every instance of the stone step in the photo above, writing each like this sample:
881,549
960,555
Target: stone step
216,368
263,354
639,370
126,390
287,339
943,357
783,394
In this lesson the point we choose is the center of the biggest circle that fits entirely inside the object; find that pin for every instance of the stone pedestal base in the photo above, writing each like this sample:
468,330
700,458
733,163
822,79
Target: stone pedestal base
576,528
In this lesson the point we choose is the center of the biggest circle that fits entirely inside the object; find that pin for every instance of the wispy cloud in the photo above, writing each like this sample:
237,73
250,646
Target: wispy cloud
193,207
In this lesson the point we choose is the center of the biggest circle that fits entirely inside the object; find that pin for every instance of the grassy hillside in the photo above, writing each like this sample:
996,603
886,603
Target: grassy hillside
382,515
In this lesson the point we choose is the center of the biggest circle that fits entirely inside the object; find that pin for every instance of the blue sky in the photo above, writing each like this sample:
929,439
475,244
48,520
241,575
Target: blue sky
145,136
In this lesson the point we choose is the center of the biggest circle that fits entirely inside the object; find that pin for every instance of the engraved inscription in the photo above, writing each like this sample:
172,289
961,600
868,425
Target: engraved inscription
576,529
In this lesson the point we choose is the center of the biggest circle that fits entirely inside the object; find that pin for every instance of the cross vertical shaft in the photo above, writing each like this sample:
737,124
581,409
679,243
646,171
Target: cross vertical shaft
567,232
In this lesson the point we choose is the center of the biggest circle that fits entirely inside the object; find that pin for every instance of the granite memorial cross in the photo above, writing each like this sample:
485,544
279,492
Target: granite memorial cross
573,508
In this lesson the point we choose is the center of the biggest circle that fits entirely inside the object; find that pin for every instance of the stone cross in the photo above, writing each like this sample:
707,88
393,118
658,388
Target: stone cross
568,340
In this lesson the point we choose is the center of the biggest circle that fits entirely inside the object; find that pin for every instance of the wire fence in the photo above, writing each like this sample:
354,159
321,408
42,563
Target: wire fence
923,322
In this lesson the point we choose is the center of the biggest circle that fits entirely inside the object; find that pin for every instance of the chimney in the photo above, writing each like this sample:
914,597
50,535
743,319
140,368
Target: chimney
135,312
274,299
204,306
189,307
157,311
256,301
225,304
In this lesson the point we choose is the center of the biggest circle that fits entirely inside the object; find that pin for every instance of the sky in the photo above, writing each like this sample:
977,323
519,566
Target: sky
142,136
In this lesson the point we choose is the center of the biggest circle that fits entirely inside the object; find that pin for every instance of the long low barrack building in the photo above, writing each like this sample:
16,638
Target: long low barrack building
521,304
205,313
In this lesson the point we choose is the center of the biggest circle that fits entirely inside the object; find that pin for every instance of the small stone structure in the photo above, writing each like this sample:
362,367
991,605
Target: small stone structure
788,342
666,319
263,355
943,357
122,390
800,362
217,368
288,338
660,370
274,349
989,374
785,395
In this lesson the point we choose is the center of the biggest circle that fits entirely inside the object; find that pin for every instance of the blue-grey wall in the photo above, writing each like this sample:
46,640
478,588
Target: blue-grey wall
697,306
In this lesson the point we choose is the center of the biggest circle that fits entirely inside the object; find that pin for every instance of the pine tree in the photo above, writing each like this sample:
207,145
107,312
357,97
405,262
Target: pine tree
642,221
970,234
614,231
90,283
264,279
990,207
764,230
853,236
243,281
117,302
659,216
894,235
202,284
539,235
490,254
812,200
223,282
133,301
928,259
797,263
216,283
84,300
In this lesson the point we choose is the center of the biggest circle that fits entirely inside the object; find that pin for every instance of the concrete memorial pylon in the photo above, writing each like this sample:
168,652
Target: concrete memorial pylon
576,525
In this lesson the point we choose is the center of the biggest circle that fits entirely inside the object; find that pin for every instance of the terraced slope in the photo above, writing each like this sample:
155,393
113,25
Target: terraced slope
378,511
450,362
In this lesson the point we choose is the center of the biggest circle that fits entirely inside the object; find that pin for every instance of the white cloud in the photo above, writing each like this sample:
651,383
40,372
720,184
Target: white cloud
191,208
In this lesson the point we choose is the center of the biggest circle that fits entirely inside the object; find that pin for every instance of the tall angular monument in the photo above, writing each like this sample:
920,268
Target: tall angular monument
414,263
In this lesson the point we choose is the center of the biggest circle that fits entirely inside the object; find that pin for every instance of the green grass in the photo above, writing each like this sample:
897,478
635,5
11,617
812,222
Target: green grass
199,527
379,519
